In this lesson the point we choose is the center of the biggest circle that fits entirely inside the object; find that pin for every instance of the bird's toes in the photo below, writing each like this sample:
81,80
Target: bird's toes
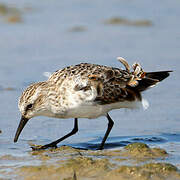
35,147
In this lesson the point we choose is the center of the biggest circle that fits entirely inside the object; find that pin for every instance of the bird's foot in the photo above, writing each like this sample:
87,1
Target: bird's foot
36,147
101,147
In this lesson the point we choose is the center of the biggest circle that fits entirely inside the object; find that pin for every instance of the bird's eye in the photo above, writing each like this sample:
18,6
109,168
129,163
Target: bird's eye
29,106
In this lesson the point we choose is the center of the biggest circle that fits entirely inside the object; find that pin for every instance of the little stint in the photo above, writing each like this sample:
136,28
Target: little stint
86,91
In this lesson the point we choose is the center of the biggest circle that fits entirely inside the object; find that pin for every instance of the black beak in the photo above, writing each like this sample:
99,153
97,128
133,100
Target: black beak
20,127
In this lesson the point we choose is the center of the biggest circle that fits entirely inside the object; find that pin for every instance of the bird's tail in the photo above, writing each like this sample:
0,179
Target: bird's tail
150,79
141,80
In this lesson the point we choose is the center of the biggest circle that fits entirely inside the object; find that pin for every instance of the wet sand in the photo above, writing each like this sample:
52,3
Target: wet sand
136,161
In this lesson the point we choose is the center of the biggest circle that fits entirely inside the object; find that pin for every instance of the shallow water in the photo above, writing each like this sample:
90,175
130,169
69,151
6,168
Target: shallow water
55,34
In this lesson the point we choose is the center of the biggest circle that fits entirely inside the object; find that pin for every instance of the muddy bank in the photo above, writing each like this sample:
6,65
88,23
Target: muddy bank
135,161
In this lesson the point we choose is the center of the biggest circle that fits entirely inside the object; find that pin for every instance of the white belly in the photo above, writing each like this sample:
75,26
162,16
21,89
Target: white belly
92,111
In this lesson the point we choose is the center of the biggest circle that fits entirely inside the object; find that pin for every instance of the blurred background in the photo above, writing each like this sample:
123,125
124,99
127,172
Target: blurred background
43,36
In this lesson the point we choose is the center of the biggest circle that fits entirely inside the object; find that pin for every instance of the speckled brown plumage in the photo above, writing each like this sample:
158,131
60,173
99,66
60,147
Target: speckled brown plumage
114,81
86,91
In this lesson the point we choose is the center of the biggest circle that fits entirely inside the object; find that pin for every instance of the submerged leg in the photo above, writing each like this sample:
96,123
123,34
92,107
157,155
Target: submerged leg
54,143
110,125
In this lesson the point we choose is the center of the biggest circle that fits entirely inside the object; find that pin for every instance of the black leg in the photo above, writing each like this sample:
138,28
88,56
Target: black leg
110,125
54,143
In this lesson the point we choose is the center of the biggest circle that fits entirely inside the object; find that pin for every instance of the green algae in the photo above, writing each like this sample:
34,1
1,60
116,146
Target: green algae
63,152
141,151
83,162
159,171
161,167
71,163
83,166
136,146
87,168
134,151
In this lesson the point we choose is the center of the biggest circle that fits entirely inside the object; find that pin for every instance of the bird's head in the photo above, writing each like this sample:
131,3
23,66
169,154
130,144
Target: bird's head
31,104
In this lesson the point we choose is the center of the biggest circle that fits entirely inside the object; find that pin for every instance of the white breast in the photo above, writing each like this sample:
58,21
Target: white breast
92,110
81,104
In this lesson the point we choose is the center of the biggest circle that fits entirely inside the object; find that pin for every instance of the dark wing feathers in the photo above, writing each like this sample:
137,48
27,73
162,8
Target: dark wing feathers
113,84
117,89
150,79
159,75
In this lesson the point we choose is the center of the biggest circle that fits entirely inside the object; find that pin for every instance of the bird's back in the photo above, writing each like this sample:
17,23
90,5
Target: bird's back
112,84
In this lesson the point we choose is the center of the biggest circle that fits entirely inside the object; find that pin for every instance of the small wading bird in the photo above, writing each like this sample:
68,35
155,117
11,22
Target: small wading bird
86,91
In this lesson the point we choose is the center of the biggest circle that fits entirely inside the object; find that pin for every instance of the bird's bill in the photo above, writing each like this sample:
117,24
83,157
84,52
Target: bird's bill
20,127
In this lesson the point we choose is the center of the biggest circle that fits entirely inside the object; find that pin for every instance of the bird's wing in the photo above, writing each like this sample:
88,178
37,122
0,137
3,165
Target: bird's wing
116,86
104,84
112,84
